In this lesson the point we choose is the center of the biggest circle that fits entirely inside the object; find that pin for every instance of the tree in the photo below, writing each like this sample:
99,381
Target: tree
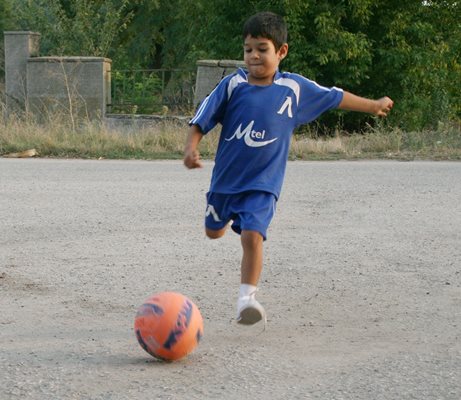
417,60
5,16
409,50
77,27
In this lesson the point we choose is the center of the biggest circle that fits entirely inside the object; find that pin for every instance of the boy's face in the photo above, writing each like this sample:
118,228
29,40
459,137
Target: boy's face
261,59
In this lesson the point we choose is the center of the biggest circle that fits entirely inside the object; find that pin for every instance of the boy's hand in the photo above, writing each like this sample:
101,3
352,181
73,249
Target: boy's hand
383,106
191,154
192,159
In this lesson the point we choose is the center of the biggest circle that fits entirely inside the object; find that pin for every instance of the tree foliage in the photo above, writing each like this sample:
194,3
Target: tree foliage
77,27
5,21
408,50
5,15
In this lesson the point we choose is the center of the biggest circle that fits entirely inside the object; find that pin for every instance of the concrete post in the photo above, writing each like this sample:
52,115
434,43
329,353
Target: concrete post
19,47
209,74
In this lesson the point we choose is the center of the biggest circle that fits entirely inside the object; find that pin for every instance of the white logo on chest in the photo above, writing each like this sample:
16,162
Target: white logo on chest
250,135
286,105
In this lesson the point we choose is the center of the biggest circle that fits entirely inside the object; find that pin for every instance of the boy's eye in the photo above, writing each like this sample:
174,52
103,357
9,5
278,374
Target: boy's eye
263,50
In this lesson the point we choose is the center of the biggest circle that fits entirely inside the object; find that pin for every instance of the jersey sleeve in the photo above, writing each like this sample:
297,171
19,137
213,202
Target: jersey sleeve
315,99
211,110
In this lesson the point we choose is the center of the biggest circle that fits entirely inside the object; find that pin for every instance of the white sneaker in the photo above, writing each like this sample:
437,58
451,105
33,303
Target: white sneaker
249,311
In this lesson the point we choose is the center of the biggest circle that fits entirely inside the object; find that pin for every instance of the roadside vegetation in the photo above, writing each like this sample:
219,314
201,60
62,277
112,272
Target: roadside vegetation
409,51
59,137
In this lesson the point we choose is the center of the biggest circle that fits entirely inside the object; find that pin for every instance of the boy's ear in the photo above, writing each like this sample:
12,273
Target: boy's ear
283,51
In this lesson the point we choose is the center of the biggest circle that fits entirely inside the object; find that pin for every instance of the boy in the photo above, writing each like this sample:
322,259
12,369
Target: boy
258,108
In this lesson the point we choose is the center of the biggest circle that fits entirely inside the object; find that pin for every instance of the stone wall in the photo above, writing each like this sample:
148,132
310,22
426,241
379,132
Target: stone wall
209,73
76,86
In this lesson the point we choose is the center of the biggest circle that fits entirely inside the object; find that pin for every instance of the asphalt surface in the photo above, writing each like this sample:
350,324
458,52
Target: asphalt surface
361,283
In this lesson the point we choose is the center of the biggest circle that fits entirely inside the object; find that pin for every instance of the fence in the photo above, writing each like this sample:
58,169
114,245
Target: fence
152,91
88,87
166,91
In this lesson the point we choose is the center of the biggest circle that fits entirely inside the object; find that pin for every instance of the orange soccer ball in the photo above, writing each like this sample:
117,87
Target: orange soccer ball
168,326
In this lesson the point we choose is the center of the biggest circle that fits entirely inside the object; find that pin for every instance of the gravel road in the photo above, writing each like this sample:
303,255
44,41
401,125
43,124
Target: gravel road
362,282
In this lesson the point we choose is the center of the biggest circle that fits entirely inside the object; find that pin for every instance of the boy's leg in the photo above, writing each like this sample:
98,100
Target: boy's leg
249,311
255,213
252,259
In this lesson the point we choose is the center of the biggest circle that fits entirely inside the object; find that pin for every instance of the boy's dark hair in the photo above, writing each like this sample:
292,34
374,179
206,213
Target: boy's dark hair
267,25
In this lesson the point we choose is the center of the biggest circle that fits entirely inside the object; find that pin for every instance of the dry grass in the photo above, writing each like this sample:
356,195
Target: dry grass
384,143
59,137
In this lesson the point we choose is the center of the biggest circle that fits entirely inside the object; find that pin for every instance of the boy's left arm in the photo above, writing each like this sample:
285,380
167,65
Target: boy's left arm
380,107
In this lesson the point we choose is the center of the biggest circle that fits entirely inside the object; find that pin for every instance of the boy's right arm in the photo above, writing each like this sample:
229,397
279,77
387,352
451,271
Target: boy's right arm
380,107
191,154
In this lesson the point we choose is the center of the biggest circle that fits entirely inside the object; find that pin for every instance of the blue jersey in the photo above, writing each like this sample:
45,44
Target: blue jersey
257,125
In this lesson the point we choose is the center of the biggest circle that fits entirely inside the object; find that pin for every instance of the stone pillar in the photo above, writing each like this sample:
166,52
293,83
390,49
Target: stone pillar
209,73
19,47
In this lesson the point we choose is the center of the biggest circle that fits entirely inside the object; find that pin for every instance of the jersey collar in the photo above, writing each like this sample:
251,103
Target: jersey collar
244,74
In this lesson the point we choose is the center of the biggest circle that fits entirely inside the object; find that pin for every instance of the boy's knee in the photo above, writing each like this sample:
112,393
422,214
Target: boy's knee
251,238
215,234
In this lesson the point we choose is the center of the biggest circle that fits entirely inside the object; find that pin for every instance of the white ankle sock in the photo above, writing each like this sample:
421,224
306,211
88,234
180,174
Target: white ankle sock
246,290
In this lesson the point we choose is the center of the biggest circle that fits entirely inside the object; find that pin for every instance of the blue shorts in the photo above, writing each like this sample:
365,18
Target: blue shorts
252,211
